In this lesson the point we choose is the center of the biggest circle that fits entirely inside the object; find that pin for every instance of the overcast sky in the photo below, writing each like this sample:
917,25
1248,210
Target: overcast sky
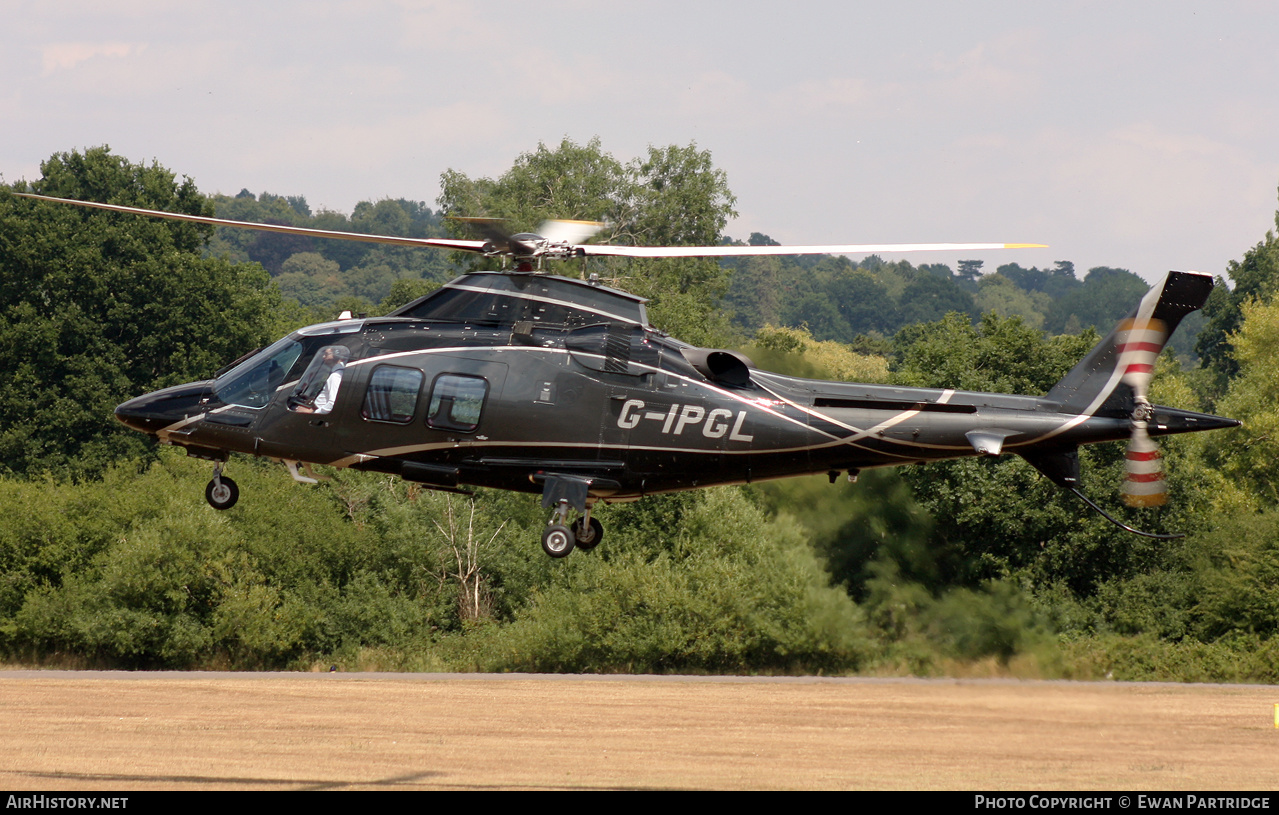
1143,135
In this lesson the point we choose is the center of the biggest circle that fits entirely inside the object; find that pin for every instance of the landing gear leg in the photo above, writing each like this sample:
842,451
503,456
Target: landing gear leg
588,531
222,493
558,540
565,492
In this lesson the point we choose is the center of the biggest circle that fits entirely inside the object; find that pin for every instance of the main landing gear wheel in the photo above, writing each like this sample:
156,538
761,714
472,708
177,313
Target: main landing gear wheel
558,540
222,493
588,535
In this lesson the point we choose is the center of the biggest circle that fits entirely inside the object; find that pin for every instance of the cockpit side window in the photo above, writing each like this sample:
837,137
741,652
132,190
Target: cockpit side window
457,402
253,382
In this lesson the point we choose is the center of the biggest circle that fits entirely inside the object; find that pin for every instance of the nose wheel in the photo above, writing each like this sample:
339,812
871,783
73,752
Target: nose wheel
222,492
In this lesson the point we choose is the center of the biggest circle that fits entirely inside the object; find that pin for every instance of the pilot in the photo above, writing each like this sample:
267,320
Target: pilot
335,357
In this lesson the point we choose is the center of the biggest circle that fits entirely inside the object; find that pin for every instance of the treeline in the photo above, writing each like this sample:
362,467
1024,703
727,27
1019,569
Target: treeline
863,303
110,557
867,302
328,276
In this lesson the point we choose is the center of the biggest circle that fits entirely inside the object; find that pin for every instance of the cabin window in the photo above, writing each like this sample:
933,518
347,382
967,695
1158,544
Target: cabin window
392,394
456,402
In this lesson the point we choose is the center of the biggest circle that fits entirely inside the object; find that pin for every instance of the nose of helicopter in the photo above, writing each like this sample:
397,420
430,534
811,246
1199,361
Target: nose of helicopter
157,410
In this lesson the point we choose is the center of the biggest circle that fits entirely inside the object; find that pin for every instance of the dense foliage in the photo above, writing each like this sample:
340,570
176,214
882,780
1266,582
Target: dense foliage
326,276
855,303
110,557
97,307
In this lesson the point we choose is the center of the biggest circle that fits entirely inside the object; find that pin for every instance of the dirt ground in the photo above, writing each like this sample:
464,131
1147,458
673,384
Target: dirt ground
146,731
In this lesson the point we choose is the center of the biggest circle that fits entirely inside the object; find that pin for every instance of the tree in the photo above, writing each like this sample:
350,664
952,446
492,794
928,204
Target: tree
993,517
96,307
724,590
672,196
970,270
863,302
474,599
403,292
363,271
1255,277
928,298
1055,283
1248,455
755,297
999,294
311,279
999,354
794,351
1104,298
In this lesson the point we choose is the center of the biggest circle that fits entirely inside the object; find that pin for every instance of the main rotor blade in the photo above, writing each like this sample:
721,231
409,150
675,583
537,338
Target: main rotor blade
435,243
519,248
552,231
751,251
574,232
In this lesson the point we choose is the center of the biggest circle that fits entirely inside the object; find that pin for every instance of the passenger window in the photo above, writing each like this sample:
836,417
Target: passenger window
456,402
392,394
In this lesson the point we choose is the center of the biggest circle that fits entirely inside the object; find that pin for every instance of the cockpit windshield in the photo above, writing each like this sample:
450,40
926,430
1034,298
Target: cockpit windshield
253,382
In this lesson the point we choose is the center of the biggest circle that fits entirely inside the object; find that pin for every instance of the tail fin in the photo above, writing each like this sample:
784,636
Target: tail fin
1107,380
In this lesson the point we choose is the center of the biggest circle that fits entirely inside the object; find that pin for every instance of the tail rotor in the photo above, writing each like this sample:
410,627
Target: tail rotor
1139,343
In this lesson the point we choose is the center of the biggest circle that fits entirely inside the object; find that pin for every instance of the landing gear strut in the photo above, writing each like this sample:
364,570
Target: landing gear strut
565,492
588,531
560,538
222,493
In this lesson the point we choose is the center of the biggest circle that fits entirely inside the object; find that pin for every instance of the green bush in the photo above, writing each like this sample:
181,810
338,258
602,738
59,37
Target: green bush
722,590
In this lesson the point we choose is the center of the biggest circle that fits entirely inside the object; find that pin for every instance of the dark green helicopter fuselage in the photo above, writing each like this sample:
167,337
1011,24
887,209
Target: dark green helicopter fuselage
520,382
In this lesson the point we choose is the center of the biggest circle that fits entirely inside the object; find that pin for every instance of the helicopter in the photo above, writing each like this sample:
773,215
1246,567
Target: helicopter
534,382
